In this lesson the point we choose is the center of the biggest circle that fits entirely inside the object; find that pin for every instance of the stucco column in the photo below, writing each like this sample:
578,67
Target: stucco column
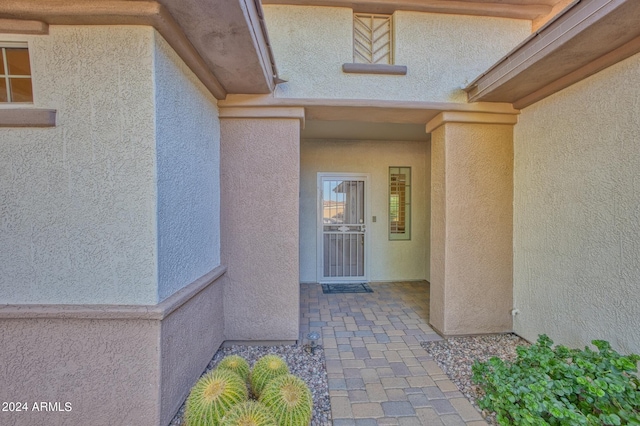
471,222
260,185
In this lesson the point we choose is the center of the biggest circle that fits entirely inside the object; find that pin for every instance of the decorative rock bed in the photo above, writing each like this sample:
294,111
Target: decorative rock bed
456,355
309,367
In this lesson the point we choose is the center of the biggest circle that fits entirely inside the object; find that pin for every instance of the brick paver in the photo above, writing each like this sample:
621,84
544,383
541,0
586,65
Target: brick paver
378,372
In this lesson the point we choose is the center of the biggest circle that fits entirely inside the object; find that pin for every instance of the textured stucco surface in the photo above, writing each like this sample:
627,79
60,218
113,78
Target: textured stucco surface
112,370
188,177
190,336
438,230
443,53
260,175
388,260
577,212
471,228
106,369
78,218
77,202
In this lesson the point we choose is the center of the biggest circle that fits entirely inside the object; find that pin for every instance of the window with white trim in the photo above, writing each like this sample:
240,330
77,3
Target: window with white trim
15,73
372,39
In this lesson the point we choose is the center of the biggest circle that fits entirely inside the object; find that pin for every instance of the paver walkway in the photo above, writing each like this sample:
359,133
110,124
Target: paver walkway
378,373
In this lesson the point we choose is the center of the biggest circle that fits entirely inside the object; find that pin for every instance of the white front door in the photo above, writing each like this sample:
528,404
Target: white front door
342,213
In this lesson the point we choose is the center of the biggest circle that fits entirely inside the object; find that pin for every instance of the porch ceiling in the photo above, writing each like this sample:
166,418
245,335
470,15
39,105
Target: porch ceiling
358,130
364,110
362,119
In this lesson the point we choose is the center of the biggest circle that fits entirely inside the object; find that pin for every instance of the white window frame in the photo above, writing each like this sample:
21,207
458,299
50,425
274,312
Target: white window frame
4,78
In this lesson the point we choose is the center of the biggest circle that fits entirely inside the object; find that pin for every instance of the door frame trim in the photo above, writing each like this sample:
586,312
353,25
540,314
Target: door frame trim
319,225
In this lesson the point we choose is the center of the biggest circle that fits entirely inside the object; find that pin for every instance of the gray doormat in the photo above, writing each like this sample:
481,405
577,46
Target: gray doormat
346,288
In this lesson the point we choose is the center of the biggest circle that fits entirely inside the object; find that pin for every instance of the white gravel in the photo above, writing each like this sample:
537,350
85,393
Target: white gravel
309,367
456,355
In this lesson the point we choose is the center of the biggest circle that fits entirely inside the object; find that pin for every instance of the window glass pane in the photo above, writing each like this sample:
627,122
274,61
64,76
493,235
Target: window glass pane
21,90
1,63
3,91
406,176
18,61
393,210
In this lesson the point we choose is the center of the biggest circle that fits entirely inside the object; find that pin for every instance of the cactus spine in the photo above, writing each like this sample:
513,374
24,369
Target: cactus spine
212,397
237,364
265,369
249,413
289,399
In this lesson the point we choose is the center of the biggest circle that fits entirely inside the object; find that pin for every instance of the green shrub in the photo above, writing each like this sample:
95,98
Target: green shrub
237,364
212,397
290,400
561,386
249,413
265,369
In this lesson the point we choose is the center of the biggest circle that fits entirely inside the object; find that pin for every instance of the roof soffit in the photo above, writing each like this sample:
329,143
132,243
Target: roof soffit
588,36
221,38
228,35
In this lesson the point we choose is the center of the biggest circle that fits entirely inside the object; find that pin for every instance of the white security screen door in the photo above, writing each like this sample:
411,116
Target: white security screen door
341,227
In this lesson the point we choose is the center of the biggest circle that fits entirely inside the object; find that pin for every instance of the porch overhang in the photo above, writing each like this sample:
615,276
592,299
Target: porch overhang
365,110
585,38
366,119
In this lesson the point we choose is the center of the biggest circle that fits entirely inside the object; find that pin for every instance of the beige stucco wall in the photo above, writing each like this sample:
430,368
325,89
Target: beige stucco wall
577,212
119,203
188,173
123,365
471,228
77,201
106,369
443,53
189,337
438,230
388,260
260,184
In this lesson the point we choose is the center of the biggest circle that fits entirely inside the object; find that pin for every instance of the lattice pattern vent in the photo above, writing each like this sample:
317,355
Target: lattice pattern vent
372,39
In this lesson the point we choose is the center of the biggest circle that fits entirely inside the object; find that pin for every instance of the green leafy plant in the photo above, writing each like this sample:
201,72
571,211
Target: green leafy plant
212,397
237,364
549,385
249,413
265,369
290,400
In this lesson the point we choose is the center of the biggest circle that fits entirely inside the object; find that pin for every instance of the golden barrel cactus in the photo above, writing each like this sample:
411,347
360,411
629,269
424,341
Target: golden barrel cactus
249,413
237,364
289,399
265,369
213,396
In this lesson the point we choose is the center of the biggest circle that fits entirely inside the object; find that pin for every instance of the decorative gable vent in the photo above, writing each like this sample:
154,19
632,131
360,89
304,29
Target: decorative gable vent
372,39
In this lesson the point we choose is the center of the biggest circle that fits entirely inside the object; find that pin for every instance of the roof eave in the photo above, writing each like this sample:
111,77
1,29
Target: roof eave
224,42
588,36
